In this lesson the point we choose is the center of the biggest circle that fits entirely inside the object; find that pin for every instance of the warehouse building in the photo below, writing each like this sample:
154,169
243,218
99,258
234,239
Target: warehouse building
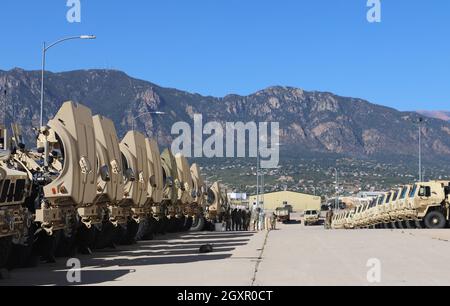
299,201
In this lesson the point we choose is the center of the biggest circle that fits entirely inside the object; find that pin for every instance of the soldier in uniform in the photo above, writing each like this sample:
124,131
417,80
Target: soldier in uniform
227,219
329,219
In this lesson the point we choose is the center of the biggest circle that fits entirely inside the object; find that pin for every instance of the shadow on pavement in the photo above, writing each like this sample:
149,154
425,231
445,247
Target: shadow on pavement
145,253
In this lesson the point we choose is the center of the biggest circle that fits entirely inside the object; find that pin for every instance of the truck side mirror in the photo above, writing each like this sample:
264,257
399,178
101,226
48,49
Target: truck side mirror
104,173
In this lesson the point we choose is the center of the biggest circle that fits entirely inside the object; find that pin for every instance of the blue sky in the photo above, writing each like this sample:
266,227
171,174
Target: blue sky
217,47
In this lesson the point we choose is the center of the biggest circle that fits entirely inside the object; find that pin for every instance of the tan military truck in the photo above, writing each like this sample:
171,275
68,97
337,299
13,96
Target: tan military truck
431,201
200,192
186,193
311,217
14,188
168,222
215,203
131,209
110,184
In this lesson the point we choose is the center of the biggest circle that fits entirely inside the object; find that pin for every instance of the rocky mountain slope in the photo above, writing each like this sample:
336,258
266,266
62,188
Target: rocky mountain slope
442,115
310,121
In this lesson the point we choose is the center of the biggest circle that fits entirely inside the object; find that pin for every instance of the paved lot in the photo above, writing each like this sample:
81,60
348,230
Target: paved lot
292,255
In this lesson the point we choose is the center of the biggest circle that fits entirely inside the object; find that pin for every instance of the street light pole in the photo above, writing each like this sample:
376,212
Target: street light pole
337,188
420,149
44,51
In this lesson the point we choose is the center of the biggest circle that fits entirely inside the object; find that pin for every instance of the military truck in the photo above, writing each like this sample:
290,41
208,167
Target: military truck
311,217
216,204
110,184
168,220
200,192
14,217
186,195
283,214
431,201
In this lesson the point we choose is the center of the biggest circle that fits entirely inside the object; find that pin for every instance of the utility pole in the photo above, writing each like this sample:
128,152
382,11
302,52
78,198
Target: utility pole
420,149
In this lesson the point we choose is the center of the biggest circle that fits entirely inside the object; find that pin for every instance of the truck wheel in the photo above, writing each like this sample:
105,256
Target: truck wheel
419,224
66,243
86,239
410,224
5,249
45,245
105,235
21,254
188,224
144,231
180,224
435,220
129,235
198,224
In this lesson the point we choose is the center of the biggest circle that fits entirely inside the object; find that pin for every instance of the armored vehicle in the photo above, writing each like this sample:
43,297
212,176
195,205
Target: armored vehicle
200,192
311,217
170,217
431,201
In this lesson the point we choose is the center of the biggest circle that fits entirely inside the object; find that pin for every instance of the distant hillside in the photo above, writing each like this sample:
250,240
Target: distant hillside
310,121
442,115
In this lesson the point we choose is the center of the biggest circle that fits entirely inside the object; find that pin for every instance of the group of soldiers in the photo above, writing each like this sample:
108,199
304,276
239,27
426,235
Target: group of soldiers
245,220
237,220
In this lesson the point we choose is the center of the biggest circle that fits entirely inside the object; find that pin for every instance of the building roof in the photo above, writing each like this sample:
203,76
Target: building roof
286,191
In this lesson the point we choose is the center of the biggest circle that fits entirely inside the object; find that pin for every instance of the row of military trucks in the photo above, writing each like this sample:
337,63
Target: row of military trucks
421,205
83,189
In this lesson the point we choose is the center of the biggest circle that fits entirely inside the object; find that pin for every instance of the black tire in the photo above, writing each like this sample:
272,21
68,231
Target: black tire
5,250
66,244
45,245
410,224
435,220
105,236
419,224
180,224
22,254
188,223
144,230
162,225
198,224
172,225
129,236
85,239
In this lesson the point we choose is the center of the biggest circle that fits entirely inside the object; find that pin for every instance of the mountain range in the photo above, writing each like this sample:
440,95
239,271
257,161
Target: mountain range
310,121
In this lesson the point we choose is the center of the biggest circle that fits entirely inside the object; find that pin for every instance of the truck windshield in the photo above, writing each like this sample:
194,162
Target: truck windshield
395,196
388,198
404,191
413,191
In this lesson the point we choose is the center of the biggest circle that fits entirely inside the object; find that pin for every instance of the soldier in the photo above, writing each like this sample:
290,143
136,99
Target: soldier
239,220
244,220
274,221
262,217
227,218
329,218
255,219
234,219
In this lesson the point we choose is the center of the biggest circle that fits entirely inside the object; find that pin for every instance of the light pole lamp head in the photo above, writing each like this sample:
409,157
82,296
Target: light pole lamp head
88,37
